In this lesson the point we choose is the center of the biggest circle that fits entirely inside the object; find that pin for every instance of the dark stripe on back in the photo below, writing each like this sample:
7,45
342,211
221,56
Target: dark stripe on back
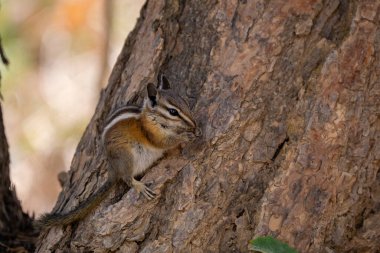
126,109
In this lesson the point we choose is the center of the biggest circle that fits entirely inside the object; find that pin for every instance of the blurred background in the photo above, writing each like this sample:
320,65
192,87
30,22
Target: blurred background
59,62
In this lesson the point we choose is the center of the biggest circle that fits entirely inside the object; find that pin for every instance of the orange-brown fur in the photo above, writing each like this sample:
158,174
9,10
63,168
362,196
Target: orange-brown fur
132,140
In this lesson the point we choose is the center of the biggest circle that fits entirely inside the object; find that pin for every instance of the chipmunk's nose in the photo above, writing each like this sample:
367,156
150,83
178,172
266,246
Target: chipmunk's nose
197,132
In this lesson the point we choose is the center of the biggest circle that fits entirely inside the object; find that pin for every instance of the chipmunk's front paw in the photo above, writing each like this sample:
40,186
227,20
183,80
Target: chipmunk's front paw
145,190
188,136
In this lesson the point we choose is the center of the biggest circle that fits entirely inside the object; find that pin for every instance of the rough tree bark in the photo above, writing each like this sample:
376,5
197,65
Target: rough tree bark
287,94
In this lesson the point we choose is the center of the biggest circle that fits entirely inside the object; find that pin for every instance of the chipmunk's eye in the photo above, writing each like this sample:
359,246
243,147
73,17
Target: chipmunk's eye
173,112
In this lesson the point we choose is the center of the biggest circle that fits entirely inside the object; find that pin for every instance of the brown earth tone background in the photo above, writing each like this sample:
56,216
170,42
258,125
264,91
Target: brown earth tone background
287,94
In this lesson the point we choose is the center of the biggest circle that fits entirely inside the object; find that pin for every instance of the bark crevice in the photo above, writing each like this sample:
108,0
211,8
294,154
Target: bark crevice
286,95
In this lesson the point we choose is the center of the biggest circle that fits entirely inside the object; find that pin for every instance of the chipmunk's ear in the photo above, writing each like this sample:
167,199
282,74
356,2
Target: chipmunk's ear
163,83
152,93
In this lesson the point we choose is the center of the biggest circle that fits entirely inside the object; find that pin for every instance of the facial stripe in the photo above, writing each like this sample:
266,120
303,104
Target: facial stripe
188,120
185,116
168,105
180,103
181,115
164,113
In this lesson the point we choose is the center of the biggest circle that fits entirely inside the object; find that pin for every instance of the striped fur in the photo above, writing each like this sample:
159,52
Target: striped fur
133,139
121,114
168,99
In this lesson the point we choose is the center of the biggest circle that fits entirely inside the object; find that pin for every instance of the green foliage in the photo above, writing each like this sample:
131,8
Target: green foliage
268,244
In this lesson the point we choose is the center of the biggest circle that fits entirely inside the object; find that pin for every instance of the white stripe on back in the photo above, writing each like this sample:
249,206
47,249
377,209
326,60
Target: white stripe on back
113,122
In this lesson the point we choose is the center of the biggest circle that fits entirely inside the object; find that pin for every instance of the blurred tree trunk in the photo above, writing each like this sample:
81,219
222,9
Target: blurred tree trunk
287,93
16,231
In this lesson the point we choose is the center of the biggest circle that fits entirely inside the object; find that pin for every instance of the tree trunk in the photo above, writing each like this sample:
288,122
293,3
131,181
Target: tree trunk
16,231
287,94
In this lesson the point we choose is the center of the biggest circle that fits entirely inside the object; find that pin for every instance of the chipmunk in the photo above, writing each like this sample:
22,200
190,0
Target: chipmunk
133,139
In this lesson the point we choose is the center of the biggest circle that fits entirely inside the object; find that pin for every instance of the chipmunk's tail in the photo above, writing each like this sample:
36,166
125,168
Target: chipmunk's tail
48,220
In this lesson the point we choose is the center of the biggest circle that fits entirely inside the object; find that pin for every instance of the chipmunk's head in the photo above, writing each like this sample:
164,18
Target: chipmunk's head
170,112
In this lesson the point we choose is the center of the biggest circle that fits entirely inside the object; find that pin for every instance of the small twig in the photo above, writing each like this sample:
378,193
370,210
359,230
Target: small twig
3,57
